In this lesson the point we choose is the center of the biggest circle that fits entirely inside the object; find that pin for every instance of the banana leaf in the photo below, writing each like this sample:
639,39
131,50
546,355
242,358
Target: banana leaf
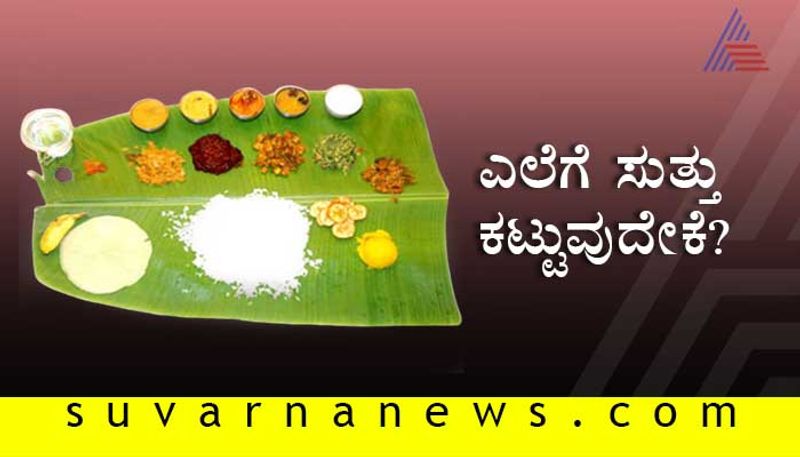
415,291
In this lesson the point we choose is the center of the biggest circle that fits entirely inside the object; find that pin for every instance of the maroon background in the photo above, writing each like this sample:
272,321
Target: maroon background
500,76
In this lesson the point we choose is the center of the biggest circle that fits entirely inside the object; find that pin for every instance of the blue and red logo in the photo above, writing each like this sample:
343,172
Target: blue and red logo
734,51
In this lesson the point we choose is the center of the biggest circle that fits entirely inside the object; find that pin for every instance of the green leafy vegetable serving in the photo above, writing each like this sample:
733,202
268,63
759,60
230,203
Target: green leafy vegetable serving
336,151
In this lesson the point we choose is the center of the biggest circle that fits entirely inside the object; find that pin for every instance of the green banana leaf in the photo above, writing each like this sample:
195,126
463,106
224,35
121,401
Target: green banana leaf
415,291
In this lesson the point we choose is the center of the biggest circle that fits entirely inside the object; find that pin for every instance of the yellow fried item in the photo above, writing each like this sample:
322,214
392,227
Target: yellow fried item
340,214
357,212
57,230
345,229
377,249
324,220
318,207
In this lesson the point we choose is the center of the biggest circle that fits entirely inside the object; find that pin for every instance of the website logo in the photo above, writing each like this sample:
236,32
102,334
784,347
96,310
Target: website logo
734,51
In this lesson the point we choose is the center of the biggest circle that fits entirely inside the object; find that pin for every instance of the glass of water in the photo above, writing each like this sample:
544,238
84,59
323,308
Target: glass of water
47,131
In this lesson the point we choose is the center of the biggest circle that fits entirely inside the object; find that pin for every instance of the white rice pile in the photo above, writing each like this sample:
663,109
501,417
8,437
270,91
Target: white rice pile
256,243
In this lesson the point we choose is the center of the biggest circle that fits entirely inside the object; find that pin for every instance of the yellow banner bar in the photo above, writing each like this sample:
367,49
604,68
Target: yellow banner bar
399,426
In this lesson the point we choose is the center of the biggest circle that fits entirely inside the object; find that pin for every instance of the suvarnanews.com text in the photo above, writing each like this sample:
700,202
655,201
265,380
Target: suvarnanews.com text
383,414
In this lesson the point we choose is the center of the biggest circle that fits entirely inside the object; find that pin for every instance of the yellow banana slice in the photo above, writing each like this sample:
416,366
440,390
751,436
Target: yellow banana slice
56,231
357,212
338,212
324,220
344,229
318,207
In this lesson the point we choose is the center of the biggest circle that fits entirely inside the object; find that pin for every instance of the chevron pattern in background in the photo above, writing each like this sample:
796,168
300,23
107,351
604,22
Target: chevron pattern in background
761,283
733,50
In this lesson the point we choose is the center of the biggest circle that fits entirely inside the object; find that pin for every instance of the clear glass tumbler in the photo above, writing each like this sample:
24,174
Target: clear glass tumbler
47,131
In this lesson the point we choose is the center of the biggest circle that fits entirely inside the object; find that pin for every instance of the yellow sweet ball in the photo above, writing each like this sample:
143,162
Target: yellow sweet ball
377,249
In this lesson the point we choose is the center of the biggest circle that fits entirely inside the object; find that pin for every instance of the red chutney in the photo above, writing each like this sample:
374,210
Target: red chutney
92,167
214,154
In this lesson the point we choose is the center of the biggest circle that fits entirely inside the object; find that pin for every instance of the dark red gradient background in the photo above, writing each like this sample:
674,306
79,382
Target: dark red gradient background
499,76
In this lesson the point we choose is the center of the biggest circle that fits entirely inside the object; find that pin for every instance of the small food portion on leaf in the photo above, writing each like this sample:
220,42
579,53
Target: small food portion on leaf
149,114
292,101
377,249
158,166
388,175
93,167
279,153
105,254
337,151
343,101
340,214
198,106
214,154
246,103
56,231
